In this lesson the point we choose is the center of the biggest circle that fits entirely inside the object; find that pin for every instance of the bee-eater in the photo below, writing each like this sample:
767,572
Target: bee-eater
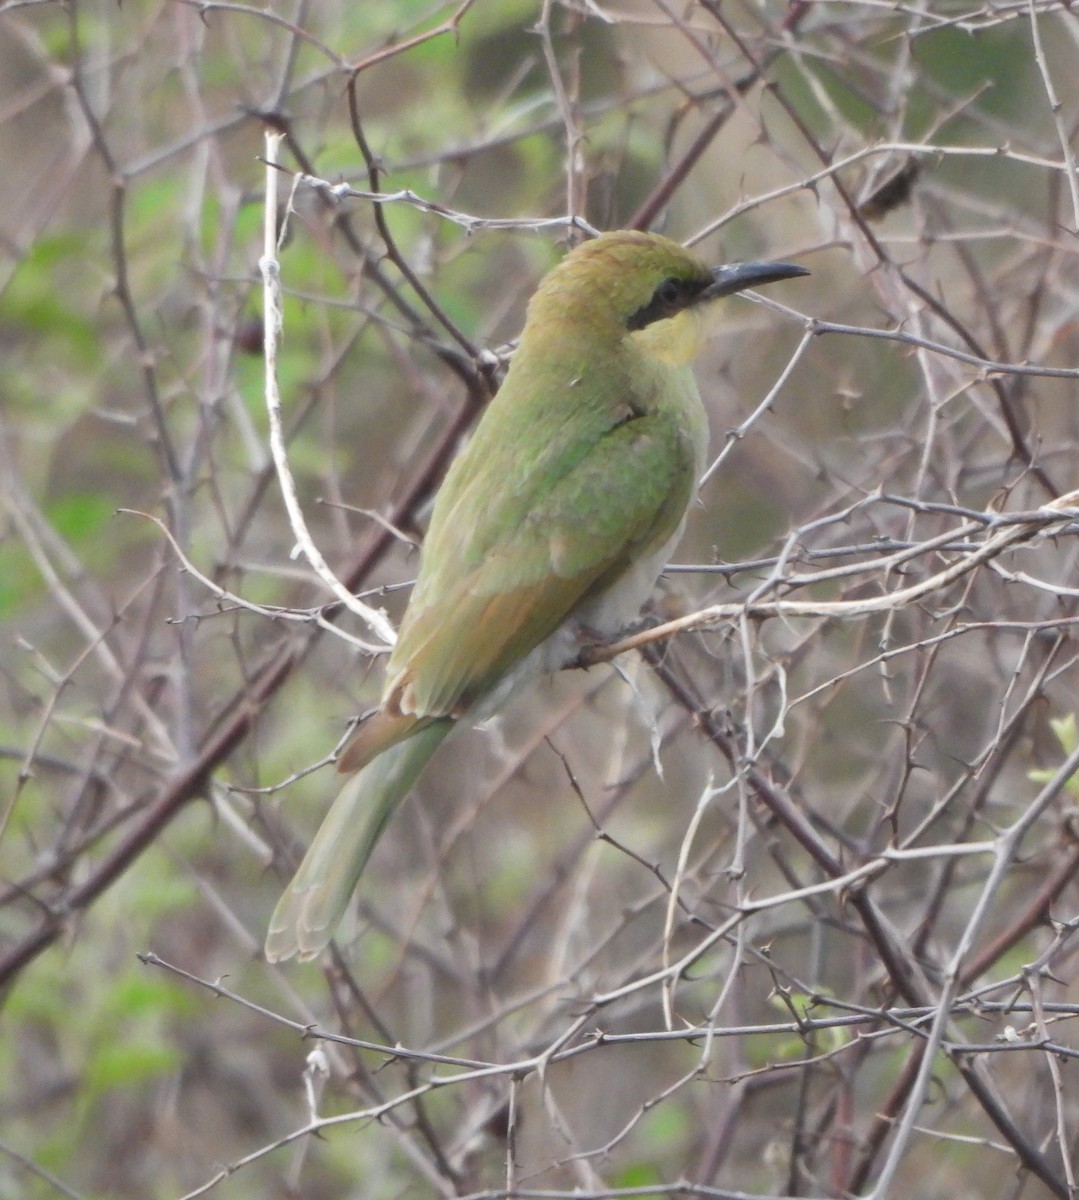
550,529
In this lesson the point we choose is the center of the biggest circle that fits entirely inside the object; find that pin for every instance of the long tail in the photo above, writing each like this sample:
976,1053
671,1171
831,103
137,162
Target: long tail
308,912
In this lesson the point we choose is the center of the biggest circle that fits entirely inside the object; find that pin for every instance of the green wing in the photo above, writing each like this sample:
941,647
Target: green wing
497,583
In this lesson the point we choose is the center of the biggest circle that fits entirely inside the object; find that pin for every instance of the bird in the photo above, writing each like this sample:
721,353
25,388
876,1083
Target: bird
550,530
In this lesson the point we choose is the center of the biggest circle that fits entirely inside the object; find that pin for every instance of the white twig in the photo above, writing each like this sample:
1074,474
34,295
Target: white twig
1060,510
271,295
1006,848
1063,133
740,431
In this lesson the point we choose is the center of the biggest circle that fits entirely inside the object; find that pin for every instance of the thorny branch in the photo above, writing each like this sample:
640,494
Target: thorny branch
833,941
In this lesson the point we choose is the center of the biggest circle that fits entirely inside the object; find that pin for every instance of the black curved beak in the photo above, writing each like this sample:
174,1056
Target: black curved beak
736,277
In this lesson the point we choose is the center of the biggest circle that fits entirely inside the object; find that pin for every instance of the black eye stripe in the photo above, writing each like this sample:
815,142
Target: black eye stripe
670,297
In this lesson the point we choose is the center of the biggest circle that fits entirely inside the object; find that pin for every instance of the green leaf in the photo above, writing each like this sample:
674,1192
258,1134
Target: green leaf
1068,736
124,1062
78,516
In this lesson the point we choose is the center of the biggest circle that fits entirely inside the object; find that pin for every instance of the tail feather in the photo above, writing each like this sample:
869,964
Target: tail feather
375,735
308,912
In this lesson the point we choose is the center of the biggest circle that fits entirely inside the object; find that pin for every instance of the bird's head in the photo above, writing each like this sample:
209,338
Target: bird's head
644,286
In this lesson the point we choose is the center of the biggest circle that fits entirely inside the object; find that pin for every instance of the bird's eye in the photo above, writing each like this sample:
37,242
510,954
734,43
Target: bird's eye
668,293
669,298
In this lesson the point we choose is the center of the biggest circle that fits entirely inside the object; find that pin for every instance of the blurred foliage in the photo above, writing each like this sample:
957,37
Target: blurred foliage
494,914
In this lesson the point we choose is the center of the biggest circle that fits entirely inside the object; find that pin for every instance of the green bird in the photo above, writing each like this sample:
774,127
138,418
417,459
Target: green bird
550,529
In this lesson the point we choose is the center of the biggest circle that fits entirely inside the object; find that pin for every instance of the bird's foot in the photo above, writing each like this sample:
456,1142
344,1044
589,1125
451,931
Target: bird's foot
593,643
